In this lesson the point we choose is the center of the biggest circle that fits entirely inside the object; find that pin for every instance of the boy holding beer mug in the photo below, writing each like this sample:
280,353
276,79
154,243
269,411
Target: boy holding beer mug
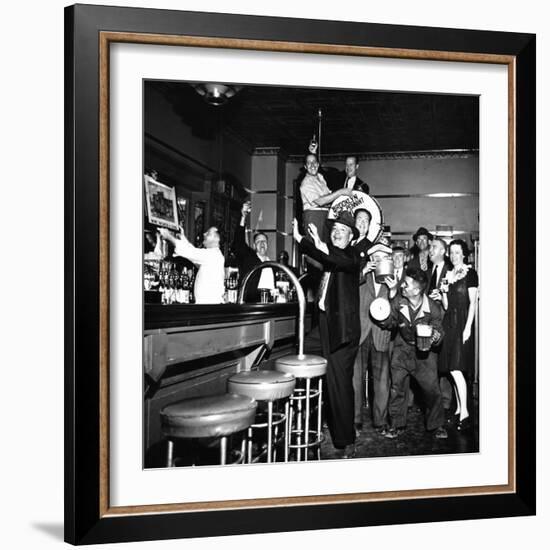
418,320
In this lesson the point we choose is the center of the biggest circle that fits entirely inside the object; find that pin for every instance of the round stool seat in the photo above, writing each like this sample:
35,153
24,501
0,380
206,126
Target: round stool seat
211,416
262,385
302,366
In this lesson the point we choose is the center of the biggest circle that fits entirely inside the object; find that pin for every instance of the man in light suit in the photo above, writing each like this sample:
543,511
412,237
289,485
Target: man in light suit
374,343
338,303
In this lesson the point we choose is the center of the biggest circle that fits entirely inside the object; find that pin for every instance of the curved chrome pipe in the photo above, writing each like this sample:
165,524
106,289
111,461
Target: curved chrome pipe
299,292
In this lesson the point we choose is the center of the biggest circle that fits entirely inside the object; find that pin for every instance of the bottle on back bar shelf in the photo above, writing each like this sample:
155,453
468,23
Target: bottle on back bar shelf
179,289
282,286
172,283
184,287
162,287
232,289
191,281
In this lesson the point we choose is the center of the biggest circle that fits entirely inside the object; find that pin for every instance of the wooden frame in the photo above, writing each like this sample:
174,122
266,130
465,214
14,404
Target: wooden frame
88,515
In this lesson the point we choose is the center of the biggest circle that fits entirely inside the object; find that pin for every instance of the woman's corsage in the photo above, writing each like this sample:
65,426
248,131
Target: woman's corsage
458,273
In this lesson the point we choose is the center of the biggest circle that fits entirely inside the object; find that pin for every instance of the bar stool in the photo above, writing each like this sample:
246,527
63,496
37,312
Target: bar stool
206,417
307,368
268,386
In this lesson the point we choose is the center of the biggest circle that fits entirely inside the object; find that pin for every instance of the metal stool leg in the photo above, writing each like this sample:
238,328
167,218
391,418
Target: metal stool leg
319,415
170,454
306,438
287,435
299,425
290,424
223,450
243,449
275,437
269,430
249,446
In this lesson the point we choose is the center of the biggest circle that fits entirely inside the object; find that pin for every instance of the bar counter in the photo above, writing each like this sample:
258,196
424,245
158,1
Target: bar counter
191,350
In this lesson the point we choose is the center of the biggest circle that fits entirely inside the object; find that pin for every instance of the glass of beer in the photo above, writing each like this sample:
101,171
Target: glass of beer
424,337
265,294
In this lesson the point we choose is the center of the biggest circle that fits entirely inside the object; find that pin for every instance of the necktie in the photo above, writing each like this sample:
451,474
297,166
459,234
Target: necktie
436,276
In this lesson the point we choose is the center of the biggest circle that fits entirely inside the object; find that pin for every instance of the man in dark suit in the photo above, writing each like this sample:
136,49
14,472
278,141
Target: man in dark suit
339,325
351,180
362,244
441,265
248,258
398,256
420,258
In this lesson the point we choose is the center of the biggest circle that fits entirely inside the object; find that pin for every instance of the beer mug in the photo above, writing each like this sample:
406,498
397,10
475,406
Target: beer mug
424,337
384,268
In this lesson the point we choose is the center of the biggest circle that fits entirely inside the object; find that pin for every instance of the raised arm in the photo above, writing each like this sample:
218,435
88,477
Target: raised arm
183,248
239,242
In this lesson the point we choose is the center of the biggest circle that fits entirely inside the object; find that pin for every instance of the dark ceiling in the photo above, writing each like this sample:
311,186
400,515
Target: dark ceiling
353,121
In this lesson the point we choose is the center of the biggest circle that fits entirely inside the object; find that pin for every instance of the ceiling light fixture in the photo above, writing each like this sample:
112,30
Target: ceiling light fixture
216,94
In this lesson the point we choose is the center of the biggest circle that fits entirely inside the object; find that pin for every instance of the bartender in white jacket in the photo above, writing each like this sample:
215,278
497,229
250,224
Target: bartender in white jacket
209,283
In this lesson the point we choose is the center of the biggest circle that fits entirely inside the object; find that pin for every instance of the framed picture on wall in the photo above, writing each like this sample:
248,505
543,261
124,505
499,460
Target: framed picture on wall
109,494
162,206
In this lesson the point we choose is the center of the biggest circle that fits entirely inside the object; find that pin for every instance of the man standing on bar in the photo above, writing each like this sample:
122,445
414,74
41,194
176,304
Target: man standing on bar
248,258
317,197
352,180
339,324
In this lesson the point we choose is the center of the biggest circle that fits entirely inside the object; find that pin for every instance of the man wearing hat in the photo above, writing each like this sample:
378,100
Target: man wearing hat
420,258
374,342
339,325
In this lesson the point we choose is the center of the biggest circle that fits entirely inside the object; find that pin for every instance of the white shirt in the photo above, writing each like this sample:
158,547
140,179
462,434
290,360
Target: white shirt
209,283
398,273
311,189
350,182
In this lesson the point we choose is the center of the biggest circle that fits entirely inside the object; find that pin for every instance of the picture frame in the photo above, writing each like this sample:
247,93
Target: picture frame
161,203
89,517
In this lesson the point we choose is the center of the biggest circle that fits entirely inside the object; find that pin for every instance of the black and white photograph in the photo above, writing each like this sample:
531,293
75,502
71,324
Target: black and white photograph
310,276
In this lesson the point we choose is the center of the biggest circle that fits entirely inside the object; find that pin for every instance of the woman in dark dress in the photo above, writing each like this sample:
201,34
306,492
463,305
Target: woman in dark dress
459,299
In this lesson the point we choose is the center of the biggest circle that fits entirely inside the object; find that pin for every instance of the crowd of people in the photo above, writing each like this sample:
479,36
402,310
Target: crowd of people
425,332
